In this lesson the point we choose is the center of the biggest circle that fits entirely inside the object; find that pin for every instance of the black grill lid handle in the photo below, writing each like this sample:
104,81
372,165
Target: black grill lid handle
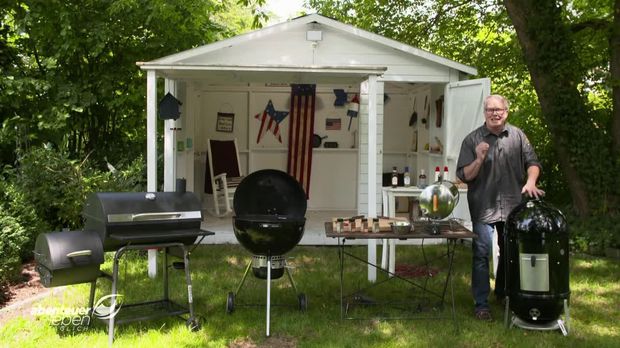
78,253
155,216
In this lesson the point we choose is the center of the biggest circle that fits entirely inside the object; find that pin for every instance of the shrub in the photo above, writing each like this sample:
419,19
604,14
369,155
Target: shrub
595,233
52,184
13,203
46,192
56,186
13,238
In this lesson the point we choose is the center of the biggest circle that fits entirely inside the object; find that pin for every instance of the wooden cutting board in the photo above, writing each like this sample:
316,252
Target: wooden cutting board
361,225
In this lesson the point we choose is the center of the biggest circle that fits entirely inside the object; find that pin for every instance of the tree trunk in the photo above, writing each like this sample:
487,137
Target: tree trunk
614,67
549,55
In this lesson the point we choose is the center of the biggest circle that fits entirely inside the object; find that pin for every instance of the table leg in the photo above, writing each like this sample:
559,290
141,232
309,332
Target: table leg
372,259
451,243
391,264
341,261
392,248
384,253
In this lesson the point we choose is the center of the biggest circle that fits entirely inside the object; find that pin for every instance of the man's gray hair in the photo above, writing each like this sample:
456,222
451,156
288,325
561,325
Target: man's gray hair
497,96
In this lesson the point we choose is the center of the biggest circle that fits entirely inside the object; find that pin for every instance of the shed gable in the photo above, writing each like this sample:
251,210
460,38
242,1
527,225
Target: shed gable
286,44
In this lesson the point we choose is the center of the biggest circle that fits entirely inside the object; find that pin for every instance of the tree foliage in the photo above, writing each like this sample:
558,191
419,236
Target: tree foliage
69,73
570,121
72,100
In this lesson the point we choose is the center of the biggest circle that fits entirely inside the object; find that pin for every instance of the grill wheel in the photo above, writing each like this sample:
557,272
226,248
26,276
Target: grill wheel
303,302
230,303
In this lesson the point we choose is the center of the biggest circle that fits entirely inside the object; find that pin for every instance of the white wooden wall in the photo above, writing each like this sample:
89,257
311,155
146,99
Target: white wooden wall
339,177
334,171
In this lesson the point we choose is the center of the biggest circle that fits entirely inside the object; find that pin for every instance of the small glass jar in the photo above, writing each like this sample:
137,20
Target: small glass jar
338,225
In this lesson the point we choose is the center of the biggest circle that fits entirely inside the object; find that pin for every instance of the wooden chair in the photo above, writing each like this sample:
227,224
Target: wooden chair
223,173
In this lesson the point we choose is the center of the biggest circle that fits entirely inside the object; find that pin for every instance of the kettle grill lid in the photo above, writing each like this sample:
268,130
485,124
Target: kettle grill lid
270,192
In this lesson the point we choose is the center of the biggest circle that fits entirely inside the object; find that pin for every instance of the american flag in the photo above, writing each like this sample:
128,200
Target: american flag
332,124
271,119
301,129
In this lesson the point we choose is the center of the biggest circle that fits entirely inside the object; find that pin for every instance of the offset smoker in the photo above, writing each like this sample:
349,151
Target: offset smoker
119,222
122,218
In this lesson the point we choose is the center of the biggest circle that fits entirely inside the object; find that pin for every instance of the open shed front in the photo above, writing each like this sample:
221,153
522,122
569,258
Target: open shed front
414,109
393,82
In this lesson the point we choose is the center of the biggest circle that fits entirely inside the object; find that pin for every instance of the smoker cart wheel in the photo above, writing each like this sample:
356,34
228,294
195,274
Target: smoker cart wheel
178,265
303,302
193,324
230,303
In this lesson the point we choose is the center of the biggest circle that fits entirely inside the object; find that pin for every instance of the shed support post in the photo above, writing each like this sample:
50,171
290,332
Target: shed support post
170,139
372,172
151,151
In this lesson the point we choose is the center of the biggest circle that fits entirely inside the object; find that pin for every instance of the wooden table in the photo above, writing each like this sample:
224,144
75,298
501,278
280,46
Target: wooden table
451,231
389,195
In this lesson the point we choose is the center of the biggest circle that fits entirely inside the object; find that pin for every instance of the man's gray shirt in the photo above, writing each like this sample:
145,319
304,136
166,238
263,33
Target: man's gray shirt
497,188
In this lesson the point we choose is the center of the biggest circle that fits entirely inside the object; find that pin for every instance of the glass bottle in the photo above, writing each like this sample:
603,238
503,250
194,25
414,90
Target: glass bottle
407,177
394,177
422,183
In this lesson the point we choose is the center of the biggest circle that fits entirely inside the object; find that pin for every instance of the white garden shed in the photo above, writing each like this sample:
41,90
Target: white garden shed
240,75
414,107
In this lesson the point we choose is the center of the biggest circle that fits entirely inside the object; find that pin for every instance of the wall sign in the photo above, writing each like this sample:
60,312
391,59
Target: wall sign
225,122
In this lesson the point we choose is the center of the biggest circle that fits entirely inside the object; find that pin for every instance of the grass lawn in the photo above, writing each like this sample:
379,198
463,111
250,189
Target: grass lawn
216,270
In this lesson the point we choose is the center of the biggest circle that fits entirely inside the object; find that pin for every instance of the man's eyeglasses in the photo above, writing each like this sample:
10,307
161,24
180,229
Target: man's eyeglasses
495,110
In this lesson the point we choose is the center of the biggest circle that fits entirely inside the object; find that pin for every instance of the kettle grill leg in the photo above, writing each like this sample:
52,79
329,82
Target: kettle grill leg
245,275
165,280
268,291
290,278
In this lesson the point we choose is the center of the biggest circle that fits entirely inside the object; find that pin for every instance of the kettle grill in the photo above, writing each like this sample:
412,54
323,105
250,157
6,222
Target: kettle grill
270,208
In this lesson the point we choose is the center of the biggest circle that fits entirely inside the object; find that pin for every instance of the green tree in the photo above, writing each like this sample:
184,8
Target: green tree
69,73
559,71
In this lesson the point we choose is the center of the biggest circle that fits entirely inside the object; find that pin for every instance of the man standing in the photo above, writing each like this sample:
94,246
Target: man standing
498,164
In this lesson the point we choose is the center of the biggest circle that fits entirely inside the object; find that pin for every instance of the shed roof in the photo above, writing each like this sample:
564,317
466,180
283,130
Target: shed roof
285,60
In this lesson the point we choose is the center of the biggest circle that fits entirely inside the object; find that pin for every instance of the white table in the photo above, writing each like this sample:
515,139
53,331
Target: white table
388,254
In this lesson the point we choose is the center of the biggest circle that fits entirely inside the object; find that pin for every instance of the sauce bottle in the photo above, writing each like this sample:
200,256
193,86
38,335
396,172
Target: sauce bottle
394,177
407,177
422,183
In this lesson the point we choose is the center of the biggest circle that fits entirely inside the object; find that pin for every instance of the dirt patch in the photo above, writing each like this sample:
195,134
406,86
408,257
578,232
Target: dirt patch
28,287
272,342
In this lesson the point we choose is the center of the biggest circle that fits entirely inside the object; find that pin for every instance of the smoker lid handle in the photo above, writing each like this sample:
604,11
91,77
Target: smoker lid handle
154,216
86,252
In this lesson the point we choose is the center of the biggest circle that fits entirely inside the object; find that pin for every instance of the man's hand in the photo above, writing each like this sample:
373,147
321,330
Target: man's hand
532,190
530,185
471,170
481,151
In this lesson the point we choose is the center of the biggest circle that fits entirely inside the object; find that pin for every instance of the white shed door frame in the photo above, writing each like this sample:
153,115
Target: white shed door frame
464,102
465,112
